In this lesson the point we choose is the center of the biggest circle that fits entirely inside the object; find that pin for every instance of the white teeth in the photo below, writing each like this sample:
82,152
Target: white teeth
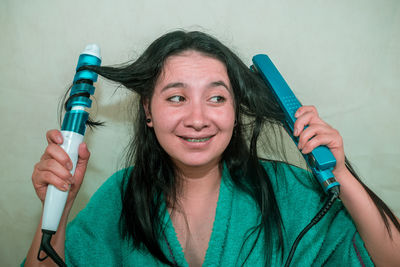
194,140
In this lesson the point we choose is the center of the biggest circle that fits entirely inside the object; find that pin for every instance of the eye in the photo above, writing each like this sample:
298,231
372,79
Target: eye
218,99
176,98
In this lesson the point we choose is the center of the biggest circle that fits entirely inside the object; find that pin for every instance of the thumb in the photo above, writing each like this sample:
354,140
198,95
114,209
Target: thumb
81,165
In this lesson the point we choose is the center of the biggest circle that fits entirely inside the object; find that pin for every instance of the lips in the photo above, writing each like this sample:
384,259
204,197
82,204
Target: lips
196,139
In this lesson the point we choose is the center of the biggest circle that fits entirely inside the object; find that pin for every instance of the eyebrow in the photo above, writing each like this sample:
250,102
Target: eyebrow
174,85
184,85
220,83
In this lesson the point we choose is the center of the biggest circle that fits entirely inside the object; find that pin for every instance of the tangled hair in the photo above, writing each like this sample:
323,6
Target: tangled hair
154,181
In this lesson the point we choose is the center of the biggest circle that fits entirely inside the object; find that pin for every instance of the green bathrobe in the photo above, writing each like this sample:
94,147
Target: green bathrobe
93,237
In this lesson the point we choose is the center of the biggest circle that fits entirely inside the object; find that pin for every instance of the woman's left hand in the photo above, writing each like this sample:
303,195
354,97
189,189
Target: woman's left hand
318,133
382,246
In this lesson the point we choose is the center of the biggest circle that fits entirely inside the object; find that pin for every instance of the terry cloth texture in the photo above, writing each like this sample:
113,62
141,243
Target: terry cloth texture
93,237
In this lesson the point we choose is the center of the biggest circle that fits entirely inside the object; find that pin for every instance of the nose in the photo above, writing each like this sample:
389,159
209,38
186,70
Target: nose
196,117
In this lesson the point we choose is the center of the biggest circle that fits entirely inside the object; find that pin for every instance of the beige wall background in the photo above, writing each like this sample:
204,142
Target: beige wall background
341,56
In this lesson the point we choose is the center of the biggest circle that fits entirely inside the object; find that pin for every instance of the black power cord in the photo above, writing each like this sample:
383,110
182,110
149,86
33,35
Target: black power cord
48,249
333,195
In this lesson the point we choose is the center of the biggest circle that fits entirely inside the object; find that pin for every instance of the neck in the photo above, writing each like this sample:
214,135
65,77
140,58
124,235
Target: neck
200,182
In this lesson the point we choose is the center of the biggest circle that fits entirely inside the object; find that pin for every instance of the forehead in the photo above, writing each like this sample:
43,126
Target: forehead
193,64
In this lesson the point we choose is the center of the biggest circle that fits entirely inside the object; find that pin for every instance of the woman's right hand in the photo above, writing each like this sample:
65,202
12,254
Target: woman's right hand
55,165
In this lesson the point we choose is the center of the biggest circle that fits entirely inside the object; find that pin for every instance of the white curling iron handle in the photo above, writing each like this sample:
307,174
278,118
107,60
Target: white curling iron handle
55,198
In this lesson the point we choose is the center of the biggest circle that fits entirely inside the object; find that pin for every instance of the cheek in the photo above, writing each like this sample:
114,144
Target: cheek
164,124
226,119
161,126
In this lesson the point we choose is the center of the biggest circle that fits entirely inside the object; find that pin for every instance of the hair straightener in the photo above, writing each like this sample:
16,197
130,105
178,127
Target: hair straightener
321,160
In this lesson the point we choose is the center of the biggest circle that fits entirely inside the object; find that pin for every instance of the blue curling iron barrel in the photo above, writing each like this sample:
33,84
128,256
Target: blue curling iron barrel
73,130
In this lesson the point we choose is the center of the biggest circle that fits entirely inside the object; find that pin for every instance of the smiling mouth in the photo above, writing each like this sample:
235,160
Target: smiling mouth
196,140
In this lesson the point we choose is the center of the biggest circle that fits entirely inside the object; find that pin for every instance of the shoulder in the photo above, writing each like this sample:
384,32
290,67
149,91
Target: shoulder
106,202
284,176
112,188
95,230
299,197
295,189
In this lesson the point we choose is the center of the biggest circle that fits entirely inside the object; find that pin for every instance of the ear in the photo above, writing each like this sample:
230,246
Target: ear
146,107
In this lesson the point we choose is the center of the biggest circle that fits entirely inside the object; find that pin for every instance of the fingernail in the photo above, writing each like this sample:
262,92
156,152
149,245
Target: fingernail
69,166
296,132
65,187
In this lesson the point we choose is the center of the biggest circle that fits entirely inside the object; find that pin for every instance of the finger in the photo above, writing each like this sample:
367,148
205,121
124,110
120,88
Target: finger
304,109
56,152
312,131
53,166
83,152
306,118
81,165
330,140
54,137
45,178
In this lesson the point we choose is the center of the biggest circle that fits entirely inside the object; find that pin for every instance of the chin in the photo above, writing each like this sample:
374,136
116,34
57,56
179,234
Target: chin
197,163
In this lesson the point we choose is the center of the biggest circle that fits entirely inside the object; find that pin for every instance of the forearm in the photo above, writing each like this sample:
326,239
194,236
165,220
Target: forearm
383,249
57,242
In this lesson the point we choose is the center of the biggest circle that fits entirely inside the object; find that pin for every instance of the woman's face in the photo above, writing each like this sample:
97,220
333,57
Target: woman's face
192,110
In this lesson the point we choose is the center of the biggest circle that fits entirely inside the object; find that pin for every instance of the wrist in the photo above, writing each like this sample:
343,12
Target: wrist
342,175
350,188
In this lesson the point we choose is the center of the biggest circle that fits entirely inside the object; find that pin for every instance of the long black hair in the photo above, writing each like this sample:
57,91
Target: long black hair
154,182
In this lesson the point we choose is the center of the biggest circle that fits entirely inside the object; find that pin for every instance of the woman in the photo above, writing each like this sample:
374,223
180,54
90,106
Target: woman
198,194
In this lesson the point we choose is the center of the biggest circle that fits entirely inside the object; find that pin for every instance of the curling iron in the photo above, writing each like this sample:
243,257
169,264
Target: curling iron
73,130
